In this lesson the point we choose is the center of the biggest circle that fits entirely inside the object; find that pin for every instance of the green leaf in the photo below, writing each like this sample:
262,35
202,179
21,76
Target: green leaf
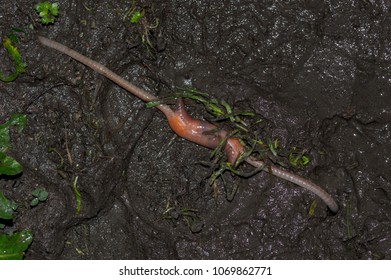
34,202
54,9
297,158
12,247
16,58
41,194
19,120
47,12
9,166
305,160
7,207
136,16
273,146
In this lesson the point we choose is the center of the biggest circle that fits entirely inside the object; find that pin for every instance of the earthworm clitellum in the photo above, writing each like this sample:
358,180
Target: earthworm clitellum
198,131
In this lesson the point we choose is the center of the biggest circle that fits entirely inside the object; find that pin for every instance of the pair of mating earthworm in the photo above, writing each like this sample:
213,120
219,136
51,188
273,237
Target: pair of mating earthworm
198,131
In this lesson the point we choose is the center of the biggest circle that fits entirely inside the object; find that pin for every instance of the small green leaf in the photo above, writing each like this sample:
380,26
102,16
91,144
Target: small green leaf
16,58
47,12
136,16
297,158
36,192
227,107
54,9
17,119
40,193
9,166
305,160
214,109
12,247
273,146
43,196
34,202
7,207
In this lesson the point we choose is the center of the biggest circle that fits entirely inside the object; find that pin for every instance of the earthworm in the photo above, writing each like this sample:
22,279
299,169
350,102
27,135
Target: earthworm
202,132
198,131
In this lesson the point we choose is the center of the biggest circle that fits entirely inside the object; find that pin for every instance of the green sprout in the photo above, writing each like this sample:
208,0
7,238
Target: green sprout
298,158
311,211
136,16
8,165
40,195
77,196
273,147
16,58
47,12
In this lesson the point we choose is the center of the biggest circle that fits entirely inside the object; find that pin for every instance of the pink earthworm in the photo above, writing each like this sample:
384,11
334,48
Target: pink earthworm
198,131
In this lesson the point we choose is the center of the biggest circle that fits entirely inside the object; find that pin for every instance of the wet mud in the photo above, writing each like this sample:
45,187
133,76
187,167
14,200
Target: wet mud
318,72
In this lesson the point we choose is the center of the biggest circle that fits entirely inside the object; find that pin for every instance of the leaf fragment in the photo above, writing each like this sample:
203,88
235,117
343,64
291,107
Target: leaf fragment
12,247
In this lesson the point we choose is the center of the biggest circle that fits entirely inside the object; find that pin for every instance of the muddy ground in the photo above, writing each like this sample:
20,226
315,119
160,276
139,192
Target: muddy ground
319,73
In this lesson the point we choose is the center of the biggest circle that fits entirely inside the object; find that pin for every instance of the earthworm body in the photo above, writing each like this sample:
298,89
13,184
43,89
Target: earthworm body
198,131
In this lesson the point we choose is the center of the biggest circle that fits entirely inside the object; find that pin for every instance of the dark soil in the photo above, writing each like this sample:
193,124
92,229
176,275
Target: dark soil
319,72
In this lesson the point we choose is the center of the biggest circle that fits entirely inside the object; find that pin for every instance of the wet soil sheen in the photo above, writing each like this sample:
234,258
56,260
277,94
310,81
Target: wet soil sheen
317,72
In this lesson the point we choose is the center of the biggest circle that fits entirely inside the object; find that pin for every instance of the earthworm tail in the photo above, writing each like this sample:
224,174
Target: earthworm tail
305,183
140,93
